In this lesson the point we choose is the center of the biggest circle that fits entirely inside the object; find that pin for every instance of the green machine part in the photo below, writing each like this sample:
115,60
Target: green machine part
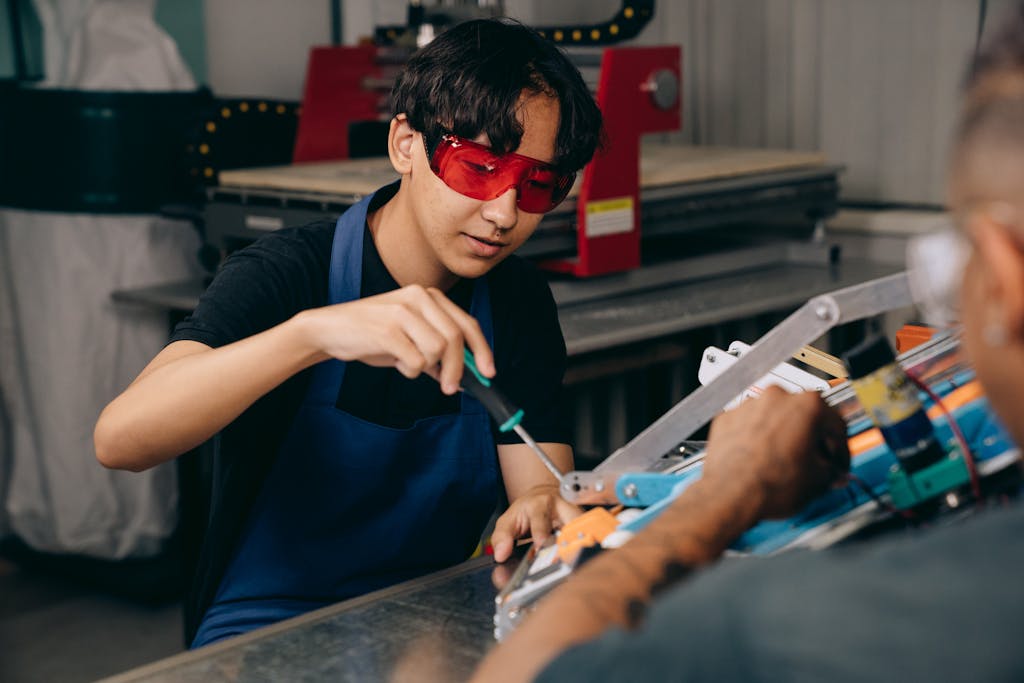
909,491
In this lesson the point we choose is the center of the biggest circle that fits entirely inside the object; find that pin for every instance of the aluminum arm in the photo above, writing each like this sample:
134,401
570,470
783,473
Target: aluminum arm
806,324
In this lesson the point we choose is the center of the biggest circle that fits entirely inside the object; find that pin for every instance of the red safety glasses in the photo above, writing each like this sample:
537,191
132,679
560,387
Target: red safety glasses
473,170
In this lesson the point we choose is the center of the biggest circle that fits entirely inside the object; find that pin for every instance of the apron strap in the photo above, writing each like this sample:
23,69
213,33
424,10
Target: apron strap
345,284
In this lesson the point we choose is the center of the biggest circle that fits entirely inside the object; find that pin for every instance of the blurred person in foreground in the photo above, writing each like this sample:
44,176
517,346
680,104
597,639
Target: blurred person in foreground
943,605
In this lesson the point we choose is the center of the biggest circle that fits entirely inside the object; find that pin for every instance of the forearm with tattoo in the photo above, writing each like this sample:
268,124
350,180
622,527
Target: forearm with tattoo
767,458
616,587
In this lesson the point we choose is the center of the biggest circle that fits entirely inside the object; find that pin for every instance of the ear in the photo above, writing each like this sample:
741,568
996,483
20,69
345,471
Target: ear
401,137
1004,265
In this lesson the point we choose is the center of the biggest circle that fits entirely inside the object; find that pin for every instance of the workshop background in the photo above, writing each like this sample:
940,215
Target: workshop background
91,561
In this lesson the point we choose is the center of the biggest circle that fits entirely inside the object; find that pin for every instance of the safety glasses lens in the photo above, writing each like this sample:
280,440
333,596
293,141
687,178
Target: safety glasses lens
474,171
935,266
543,189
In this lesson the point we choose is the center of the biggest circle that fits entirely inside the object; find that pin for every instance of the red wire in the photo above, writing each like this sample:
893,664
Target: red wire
972,467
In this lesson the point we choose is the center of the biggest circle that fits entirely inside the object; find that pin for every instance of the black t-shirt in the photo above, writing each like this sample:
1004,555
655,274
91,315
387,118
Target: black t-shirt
286,272
946,605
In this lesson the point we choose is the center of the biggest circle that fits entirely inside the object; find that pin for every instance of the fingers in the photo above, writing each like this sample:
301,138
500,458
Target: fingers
407,356
565,512
445,334
502,548
471,333
427,341
540,523
427,332
504,536
820,456
534,515
825,424
440,330
501,575
834,433
414,329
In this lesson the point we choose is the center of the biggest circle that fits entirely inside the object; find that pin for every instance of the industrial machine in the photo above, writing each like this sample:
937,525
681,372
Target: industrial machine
649,472
635,190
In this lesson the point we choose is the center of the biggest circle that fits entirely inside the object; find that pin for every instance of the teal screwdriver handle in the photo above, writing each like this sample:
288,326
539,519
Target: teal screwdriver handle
480,387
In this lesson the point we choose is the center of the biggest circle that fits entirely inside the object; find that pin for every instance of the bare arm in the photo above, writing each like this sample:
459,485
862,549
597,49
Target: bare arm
765,459
190,391
535,504
522,470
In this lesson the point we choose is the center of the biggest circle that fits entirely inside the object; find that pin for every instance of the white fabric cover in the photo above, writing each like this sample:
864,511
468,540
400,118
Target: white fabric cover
108,45
68,349
65,348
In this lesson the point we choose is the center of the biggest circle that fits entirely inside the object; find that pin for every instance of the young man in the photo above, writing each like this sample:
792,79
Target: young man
944,605
338,475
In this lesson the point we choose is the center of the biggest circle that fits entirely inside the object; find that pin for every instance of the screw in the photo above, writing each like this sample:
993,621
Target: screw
599,485
630,491
710,358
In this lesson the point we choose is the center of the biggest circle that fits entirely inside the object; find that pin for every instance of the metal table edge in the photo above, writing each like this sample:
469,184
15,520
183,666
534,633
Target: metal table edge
188,656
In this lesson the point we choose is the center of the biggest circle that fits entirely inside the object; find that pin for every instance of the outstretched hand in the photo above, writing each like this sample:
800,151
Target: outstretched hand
537,513
783,449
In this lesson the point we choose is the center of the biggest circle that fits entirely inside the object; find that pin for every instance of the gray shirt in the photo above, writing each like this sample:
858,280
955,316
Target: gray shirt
945,604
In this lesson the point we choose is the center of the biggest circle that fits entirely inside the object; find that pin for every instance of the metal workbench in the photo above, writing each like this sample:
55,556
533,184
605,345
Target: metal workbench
435,628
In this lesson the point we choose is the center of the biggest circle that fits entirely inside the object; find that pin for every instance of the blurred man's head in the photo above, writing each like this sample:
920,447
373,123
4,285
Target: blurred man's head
986,194
987,161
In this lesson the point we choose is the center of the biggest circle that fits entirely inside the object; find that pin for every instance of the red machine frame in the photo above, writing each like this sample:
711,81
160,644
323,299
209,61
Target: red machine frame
335,96
608,205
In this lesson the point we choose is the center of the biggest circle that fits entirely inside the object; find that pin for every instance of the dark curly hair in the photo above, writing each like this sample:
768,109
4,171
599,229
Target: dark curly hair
1002,53
994,86
469,80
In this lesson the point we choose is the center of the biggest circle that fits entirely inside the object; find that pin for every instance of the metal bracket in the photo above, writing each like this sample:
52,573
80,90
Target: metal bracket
802,327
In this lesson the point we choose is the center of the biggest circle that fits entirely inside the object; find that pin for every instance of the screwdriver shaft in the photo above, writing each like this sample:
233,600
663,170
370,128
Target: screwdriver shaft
539,451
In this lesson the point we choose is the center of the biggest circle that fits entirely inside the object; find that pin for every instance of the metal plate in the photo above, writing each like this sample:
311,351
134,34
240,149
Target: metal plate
436,628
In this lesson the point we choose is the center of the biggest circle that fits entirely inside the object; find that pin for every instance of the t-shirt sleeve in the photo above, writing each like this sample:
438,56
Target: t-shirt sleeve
536,360
258,287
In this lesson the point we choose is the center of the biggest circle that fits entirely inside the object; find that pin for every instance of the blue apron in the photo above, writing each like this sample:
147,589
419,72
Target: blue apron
350,506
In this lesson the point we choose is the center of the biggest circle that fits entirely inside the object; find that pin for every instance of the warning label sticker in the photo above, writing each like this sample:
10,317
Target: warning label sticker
609,217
